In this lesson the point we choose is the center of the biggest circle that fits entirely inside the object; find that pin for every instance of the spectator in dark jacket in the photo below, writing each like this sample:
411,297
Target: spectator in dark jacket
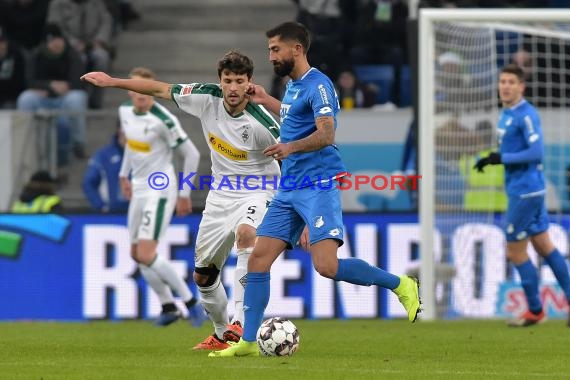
87,25
24,21
38,196
101,179
12,72
352,93
54,84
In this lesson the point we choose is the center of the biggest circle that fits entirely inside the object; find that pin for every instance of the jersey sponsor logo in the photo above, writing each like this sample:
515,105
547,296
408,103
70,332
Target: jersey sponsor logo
325,110
226,149
139,146
186,89
323,92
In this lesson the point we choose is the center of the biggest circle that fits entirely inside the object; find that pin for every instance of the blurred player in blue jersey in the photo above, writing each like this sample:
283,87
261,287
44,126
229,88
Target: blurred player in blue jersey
308,196
521,150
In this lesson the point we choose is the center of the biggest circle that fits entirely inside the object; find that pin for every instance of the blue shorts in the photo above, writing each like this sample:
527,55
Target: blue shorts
290,211
526,217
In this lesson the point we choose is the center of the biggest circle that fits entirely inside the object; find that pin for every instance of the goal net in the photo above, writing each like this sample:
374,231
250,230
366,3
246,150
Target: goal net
464,272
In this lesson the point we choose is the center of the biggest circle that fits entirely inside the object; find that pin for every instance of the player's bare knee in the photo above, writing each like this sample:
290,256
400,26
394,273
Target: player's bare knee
326,269
206,276
245,236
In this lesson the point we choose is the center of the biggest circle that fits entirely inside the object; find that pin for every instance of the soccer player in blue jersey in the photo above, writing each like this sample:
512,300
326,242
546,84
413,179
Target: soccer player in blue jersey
312,162
521,151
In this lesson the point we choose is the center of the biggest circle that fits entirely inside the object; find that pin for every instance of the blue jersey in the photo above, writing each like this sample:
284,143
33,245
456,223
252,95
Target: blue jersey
306,98
522,148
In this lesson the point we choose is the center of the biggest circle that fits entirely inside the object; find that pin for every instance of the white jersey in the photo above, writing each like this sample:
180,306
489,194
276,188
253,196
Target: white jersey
151,137
236,142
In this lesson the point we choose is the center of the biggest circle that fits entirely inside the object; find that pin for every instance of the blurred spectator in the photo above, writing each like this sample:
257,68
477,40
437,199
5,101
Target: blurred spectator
38,196
381,33
101,178
452,82
278,86
323,18
533,90
353,94
87,25
12,72
122,13
547,82
24,21
452,141
54,84
523,59
127,13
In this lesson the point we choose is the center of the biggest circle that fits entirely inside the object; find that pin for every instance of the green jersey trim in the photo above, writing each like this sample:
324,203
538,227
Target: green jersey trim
179,141
207,89
167,120
175,89
263,118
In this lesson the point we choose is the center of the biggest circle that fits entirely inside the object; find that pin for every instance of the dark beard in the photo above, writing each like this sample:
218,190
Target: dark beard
284,68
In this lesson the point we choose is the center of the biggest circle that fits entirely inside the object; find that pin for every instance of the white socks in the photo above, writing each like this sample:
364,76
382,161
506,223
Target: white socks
166,271
240,276
215,301
160,288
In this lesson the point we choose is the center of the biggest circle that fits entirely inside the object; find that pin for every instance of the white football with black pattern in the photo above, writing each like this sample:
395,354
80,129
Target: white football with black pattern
278,337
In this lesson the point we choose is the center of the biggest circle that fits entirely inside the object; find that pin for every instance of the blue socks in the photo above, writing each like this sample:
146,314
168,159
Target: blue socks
359,272
529,280
560,270
255,301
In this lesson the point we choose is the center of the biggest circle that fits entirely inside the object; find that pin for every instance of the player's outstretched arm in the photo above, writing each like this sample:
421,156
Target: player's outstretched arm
142,86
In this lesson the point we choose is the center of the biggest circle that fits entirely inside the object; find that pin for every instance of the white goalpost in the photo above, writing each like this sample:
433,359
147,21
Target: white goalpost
461,52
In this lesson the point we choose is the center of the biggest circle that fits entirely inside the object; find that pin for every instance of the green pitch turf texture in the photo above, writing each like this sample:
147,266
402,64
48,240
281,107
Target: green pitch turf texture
330,349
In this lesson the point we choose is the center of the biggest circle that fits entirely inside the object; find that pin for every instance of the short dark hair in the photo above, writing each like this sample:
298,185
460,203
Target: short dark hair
514,69
52,31
292,31
237,63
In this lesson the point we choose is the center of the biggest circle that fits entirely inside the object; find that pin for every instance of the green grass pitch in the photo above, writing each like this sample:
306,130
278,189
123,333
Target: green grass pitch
330,349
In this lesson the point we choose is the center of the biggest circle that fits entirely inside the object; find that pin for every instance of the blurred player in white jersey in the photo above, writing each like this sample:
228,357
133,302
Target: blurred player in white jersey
152,133
237,132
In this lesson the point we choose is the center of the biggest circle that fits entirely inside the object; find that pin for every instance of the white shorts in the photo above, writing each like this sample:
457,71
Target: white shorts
220,219
149,216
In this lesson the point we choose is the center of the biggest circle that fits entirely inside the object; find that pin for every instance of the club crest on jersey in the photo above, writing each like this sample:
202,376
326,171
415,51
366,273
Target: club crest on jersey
283,111
245,133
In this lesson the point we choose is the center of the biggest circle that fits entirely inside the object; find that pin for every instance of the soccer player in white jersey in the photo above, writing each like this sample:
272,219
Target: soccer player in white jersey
237,132
152,134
